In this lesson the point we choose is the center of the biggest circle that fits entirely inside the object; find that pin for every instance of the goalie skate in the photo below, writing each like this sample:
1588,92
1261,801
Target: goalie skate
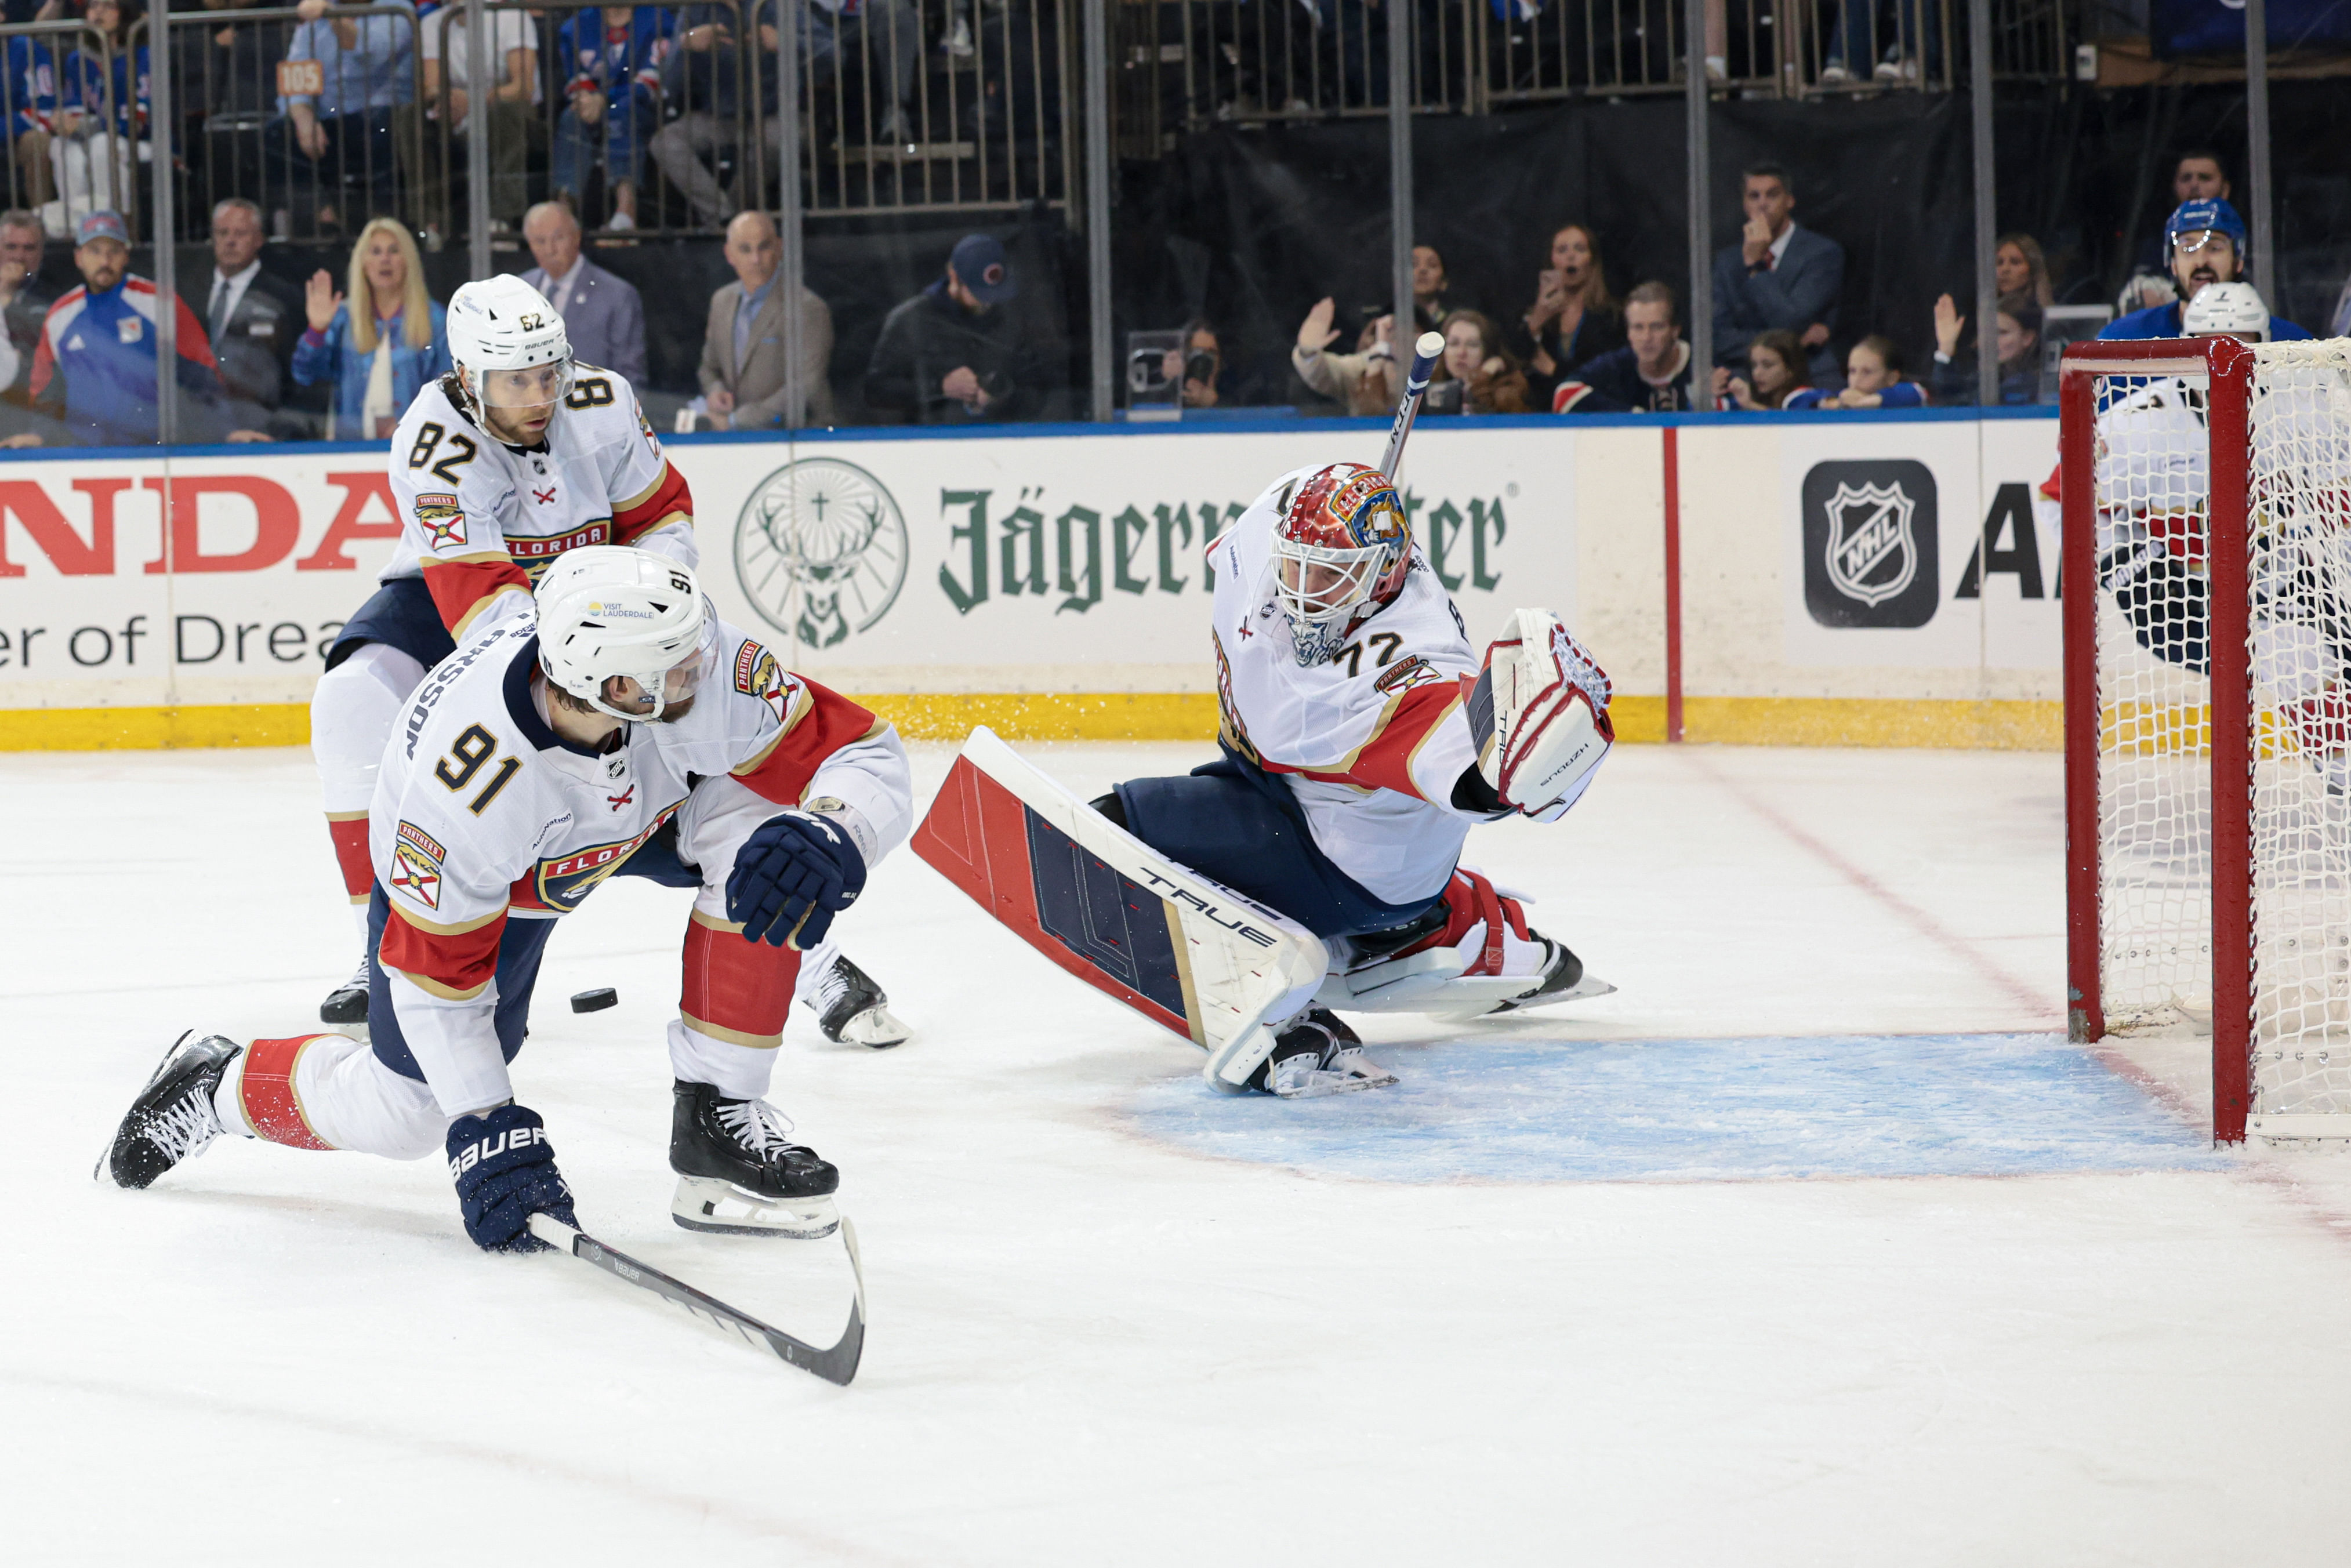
1318,1054
1479,959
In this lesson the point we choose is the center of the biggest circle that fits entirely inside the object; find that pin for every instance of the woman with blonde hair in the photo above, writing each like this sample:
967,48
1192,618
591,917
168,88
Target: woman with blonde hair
379,356
2021,273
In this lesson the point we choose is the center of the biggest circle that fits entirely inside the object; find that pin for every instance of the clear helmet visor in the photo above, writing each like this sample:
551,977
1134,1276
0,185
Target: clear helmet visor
2196,240
533,387
629,696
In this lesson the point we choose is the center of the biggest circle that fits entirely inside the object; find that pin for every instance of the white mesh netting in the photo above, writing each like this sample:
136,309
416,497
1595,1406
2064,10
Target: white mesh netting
2155,703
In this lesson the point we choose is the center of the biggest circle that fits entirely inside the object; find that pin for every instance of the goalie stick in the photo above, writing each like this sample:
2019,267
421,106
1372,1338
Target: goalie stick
1416,386
837,1365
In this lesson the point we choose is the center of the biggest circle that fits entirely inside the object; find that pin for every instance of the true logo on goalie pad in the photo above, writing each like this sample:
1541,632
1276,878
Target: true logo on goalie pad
1870,555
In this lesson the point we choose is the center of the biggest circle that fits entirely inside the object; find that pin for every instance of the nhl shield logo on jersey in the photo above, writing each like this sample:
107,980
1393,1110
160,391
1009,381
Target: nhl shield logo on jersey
417,857
1870,556
820,549
443,520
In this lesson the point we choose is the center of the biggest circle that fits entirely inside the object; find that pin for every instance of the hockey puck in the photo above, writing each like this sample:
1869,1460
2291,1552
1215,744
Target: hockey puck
595,1002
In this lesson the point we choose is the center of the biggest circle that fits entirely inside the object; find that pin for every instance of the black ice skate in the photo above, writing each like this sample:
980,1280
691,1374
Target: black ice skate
856,1010
1318,1054
346,1005
172,1119
739,1174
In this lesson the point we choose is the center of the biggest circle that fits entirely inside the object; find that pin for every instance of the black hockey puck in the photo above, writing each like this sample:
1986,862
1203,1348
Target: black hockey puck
595,1002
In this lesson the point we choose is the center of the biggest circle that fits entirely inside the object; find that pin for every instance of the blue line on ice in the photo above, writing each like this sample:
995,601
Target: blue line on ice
1701,1110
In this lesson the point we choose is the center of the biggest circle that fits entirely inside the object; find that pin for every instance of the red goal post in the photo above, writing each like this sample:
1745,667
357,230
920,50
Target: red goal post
2206,602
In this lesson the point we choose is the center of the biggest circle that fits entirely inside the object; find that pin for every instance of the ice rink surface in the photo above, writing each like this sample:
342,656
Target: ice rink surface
1814,1244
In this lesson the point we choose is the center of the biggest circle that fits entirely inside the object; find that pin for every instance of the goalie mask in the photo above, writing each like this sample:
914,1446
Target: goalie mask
607,612
1340,553
512,353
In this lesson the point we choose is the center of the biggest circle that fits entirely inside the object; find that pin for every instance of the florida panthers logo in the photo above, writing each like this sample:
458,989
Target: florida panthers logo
820,548
758,674
443,520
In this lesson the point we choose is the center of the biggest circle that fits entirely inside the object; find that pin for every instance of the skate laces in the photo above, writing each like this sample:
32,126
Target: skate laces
185,1125
757,1125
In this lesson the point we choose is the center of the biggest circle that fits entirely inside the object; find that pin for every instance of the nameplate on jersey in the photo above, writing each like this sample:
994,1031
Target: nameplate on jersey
535,555
560,884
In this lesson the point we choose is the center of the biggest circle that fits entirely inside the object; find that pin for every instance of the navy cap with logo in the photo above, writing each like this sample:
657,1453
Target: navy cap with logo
100,224
979,264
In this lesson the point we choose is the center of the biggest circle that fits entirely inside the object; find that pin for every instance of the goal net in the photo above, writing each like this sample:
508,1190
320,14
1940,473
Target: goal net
2206,490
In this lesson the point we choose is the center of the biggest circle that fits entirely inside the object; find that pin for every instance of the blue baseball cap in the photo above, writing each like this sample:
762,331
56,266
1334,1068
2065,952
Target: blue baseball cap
979,265
2209,214
100,224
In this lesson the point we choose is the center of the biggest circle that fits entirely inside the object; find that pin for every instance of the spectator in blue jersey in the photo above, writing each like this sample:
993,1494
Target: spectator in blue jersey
612,58
326,145
381,345
94,369
2207,243
1776,371
1650,374
31,106
1872,379
102,117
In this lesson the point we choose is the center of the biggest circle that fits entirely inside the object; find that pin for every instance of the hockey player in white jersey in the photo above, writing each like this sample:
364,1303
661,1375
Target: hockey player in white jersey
498,469
1362,740
2153,484
622,729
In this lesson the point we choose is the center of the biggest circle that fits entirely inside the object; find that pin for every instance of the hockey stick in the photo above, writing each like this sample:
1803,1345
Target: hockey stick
1424,365
838,1365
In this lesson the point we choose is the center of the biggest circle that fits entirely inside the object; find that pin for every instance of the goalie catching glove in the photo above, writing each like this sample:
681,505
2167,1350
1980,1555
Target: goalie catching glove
1540,714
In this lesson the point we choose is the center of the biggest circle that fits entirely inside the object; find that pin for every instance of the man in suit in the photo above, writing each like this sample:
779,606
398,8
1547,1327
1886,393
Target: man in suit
743,346
1777,275
604,316
253,321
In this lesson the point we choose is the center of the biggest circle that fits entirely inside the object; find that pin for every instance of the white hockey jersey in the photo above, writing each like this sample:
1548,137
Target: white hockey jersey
481,520
1371,740
483,814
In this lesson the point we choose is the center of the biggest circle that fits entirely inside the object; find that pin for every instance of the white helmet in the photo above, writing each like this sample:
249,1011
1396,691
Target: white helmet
2235,309
503,324
608,610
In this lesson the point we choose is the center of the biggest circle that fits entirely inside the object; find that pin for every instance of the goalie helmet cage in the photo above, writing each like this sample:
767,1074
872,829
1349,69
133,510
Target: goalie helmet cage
2207,606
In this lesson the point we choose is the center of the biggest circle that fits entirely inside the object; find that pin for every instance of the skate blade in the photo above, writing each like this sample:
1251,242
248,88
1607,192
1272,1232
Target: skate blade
876,1029
1583,990
722,1208
1320,1085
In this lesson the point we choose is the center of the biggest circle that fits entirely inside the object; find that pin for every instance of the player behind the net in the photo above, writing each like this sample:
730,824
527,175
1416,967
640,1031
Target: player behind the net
611,723
498,469
2153,486
1361,744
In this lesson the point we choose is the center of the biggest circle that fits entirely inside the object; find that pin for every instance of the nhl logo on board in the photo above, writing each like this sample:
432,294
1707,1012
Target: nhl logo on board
1869,544
821,550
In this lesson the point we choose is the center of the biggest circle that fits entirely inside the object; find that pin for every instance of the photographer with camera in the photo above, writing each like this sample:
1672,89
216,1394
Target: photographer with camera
952,355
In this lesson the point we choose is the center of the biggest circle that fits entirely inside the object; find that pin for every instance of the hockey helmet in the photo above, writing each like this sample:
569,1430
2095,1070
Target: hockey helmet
1340,550
606,611
2235,309
508,344
2207,215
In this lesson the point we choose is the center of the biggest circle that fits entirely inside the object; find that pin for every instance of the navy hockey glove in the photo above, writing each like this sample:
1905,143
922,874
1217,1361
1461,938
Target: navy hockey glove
505,1171
791,876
